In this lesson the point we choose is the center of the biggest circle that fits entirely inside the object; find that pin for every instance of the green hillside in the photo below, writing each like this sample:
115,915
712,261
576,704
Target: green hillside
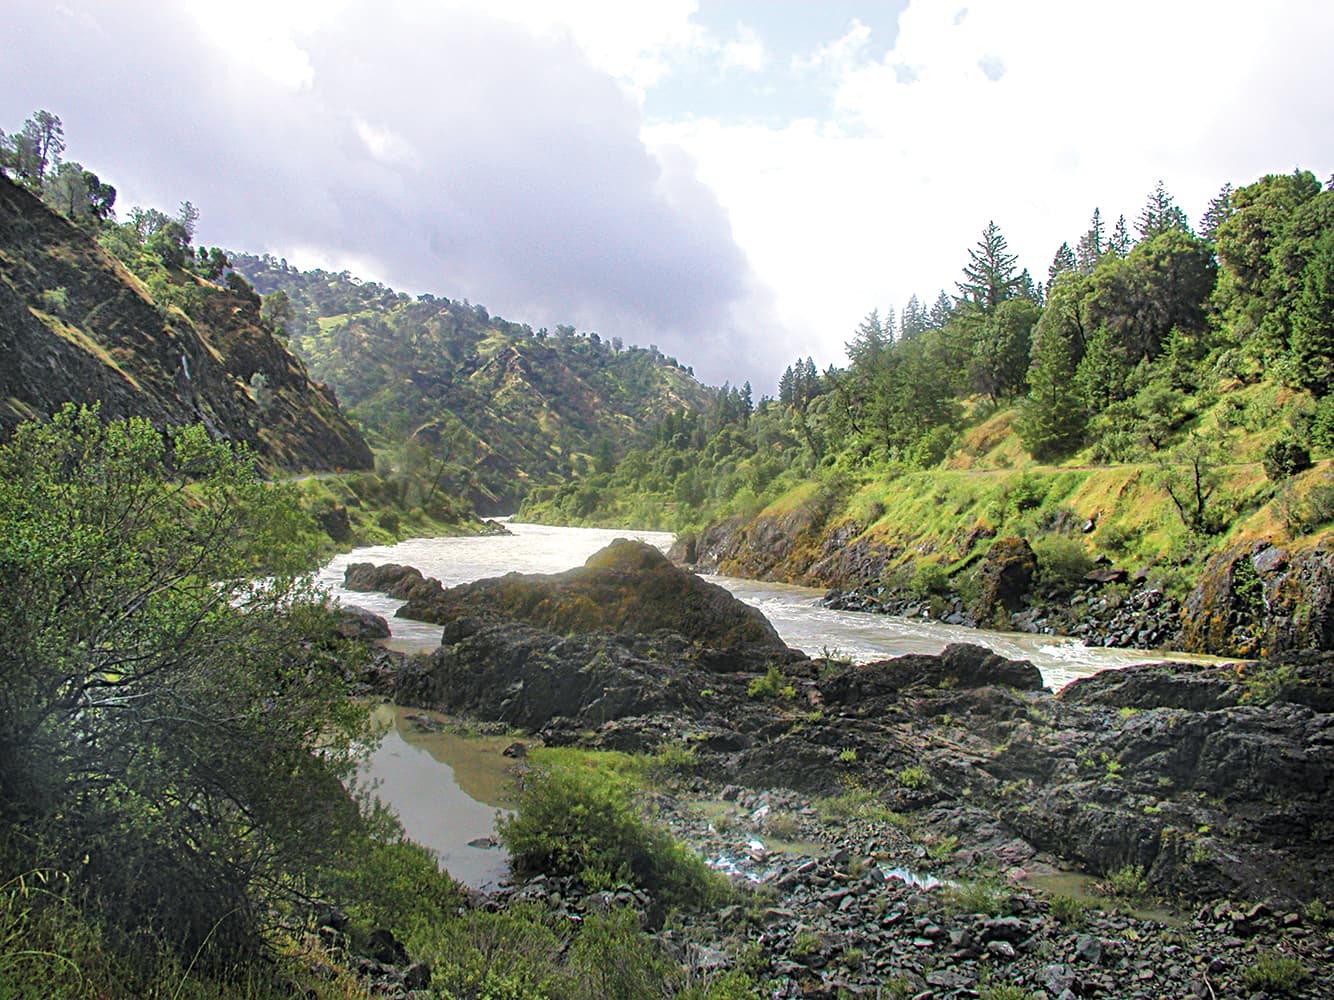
493,407
1165,405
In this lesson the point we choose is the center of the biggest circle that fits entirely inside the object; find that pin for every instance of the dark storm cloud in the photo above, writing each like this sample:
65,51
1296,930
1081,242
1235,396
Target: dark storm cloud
451,154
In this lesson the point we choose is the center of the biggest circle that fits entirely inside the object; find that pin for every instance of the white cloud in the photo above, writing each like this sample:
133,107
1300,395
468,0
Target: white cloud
1095,103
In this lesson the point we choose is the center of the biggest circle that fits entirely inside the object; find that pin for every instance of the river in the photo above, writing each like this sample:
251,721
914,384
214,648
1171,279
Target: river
447,790
794,611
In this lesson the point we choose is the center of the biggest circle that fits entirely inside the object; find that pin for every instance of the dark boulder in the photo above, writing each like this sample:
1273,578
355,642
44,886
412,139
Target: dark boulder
357,623
627,587
401,582
961,665
1006,576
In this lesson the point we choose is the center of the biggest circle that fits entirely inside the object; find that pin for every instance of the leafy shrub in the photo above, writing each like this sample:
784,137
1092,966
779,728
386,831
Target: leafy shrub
912,777
1274,973
929,578
1062,561
1068,910
772,685
1284,458
574,822
513,954
1004,991
980,896
1128,882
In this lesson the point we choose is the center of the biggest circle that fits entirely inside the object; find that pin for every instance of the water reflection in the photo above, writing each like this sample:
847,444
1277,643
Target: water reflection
446,789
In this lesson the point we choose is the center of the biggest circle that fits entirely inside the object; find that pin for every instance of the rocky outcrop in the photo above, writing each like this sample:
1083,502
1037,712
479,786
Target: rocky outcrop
76,326
1207,780
628,587
1262,600
1005,578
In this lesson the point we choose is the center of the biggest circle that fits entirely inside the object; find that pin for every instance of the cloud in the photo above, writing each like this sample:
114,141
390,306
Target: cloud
1028,112
440,149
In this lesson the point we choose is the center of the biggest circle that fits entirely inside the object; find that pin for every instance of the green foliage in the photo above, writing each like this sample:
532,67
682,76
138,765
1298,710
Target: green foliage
912,777
1004,991
573,821
168,717
774,684
1275,973
1128,881
1284,458
976,896
1068,910
1062,561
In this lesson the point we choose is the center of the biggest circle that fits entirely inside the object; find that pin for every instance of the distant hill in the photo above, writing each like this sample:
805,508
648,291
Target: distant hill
497,406
76,325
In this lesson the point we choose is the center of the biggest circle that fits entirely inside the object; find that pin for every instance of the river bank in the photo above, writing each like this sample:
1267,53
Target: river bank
1197,782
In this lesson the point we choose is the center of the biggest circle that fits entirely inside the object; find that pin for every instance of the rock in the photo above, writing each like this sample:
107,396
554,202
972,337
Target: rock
1005,576
1088,949
387,949
627,587
401,582
353,622
1001,949
1056,979
960,665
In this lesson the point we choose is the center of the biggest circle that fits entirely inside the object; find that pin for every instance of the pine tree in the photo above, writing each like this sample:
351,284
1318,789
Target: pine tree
990,271
1312,350
1161,215
1218,212
941,311
1062,263
913,320
1052,417
1089,249
1120,242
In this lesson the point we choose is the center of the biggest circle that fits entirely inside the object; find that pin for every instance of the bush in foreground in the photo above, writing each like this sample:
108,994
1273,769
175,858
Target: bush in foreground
575,821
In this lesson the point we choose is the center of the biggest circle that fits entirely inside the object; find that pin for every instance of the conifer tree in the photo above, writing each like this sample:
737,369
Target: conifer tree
1220,208
1160,215
990,276
1090,248
1120,242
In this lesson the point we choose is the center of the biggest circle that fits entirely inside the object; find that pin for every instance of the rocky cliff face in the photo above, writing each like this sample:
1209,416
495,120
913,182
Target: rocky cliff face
76,326
1255,599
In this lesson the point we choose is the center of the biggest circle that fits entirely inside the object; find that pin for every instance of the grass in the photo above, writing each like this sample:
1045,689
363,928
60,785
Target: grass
1274,974
977,896
857,801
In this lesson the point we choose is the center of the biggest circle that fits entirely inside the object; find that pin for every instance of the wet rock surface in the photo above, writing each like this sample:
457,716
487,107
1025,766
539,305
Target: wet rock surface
1203,783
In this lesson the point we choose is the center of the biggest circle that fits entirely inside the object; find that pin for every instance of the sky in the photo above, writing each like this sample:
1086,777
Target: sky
736,182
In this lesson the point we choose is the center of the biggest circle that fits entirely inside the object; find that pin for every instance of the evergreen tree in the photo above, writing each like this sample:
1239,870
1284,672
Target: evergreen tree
872,338
913,320
990,277
1220,208
941,311
1062,263
1120,243
1161,215
1052,418
1090,248
1312,352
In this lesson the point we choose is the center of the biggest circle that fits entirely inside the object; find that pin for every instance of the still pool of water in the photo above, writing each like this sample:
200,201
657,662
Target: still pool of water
446,787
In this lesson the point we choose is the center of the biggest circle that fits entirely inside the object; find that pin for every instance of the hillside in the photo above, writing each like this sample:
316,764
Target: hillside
1136,450
77,325
492,407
